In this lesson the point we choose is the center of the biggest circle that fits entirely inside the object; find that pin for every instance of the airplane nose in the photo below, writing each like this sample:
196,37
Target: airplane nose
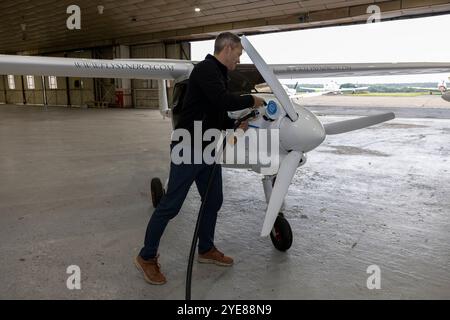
305,134
318,133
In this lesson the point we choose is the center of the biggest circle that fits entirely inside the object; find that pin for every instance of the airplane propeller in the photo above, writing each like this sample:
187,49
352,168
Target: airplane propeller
289,164
270,79
301,134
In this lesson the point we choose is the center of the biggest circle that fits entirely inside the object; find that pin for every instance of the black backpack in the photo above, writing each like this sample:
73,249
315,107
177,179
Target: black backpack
179,92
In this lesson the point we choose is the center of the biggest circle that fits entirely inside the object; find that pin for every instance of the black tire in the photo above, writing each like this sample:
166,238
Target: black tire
157,191
282,239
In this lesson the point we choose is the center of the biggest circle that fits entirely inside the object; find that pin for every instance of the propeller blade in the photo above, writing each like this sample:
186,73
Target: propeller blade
270,79
355,124
284,177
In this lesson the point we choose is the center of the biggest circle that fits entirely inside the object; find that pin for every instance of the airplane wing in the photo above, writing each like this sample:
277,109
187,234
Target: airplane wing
426,89
303,95
292,71
158,69
295,71
174,69
353,89
307,89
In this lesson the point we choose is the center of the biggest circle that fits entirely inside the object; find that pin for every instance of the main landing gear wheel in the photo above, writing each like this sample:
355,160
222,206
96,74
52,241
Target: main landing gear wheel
281,234
157,191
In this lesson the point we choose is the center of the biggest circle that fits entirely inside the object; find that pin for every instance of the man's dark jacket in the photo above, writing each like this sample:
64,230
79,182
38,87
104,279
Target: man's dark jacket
207,98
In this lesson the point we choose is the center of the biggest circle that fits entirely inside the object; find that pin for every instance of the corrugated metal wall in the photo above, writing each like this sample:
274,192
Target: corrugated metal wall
145,92
56,97
14,96
81,90
104,89
34,96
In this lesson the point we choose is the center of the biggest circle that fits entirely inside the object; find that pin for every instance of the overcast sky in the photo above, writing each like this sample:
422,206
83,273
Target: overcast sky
414,40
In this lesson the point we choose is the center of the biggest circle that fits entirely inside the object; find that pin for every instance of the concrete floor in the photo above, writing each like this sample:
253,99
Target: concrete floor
74,190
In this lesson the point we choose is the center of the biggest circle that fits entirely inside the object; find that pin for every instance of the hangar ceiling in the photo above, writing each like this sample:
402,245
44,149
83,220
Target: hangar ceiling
33,27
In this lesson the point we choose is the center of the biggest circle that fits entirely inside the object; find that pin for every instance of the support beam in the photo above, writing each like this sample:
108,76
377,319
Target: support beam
23,91
44,92
123,86
69,104
4,89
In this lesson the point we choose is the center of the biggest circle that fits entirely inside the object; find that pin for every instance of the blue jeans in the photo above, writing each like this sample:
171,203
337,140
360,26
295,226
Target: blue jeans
181,178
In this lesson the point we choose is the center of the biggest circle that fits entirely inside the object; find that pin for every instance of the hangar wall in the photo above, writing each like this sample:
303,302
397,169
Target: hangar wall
69,91
145,92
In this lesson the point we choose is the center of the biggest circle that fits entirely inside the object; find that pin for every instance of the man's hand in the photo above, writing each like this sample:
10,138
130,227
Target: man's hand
259,102
244,125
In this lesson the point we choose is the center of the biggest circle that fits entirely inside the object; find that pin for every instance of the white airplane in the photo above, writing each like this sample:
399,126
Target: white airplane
333,87
300,131
329,87
290,91
446,93
264,88
444,90
440,87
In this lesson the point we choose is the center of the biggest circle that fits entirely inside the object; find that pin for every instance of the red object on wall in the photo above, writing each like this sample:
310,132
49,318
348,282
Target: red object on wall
119,98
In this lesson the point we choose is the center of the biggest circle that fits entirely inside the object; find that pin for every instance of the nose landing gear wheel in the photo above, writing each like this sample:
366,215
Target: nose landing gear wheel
281,234
157,191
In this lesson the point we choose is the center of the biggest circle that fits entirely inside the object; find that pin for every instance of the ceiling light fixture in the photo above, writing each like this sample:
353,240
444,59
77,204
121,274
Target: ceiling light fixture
197,9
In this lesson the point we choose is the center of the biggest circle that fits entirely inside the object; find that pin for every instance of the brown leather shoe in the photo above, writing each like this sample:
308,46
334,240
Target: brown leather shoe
151,270
216,257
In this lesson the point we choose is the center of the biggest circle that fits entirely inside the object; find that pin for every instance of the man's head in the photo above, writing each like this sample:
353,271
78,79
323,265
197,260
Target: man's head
228,49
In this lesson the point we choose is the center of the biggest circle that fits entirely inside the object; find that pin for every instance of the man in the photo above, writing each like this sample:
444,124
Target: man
207,100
